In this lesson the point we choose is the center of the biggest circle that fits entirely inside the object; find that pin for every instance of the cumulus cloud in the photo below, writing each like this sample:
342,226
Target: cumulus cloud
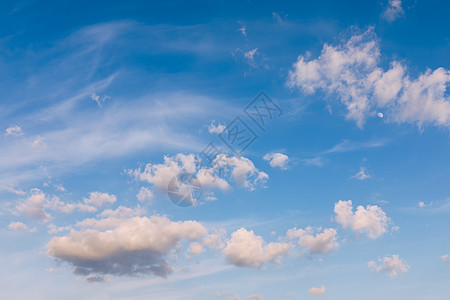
124,246
317,291
14,130
393,265
362,174
241,170
277,160
145,195
320,243
370,220
19,226
245,249
37,204
216,129
351,71
98,199
393,11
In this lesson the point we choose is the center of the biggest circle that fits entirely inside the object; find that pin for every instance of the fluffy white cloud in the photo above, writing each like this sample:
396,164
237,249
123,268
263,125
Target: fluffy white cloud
393,11
277,160
37,204
239,169
393,265
351,71
245,249
362,174
317,291
13,130
124,246
98,199
145,195
370,220
320,243
212,128
19,226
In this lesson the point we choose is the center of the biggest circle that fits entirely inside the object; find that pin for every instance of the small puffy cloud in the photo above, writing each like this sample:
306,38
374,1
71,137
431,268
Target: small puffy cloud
241,170
352,72
319,243
250,54
19,226
245,249
277,160
363,174
216,129
37,142
393,11
124,246
445,258
393,265
37,204
98,199
14,130
370,220
243,30
317,291
145,195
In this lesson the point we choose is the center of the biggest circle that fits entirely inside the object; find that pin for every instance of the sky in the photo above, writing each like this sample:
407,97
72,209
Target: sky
224,150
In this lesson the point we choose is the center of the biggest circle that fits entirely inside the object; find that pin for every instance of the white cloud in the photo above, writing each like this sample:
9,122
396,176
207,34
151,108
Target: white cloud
98,199
352,72
245,249
37,203
277,160
362,174
370,220
145,195
129,246
393,265
320,243
212,128
239,169
445,258
250,54
393,11
243,30
19,226
14,130
317,291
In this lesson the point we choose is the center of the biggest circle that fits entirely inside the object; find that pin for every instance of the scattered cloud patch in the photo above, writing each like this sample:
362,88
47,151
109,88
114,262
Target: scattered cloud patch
213,129
445,258
19,226
14,130
317,291
351,71
245,249
145,195
319,243
393,11
371,220
393,265
362,174
277,160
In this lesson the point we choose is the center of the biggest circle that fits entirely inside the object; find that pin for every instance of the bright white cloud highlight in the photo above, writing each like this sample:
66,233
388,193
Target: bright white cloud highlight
277,160
319,243
370,220
393,265
245,249
216,129
351,71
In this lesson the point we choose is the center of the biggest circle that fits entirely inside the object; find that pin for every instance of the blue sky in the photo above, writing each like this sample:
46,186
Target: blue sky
344,194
